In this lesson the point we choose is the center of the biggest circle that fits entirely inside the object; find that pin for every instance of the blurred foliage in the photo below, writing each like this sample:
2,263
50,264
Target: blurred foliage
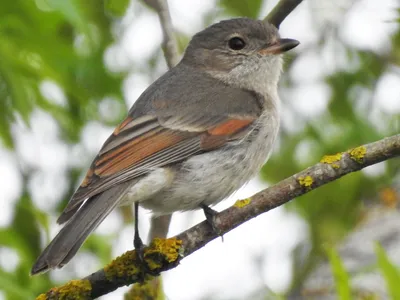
390,272
239,8
63,41
333,210
340,274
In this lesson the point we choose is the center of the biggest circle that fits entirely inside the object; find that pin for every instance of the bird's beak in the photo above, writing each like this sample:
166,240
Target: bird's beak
282,45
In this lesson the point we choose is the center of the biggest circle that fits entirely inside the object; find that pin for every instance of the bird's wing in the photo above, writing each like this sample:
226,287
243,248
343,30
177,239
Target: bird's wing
139,145
174,119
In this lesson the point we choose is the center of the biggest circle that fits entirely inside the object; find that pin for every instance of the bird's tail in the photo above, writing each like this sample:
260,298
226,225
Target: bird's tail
70,238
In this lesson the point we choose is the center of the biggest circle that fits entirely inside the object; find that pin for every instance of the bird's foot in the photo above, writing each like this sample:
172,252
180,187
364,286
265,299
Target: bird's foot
210,217
139,247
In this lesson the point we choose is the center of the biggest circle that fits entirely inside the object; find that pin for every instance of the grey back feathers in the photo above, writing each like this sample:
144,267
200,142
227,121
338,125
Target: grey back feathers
213,97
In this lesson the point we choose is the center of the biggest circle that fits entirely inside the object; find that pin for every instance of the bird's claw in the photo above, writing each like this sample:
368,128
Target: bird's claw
139,247
210,217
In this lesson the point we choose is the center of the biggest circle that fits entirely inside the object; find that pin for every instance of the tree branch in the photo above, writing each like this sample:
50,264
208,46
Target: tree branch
281,11
169,45
165,254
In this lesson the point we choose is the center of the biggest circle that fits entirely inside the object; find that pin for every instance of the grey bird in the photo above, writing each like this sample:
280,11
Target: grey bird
196,135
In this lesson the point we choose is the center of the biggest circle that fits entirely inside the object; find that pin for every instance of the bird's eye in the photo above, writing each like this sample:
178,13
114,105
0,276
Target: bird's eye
236,43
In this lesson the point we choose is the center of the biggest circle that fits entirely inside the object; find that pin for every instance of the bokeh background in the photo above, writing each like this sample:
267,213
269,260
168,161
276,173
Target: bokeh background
70,69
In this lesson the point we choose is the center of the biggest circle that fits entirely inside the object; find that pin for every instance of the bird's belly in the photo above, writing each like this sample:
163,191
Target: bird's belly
210,177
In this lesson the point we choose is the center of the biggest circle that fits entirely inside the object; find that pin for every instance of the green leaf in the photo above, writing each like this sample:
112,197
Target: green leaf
5,118
73,12
25,224
116,7
9,237
389,271
340,275
249,8
12,286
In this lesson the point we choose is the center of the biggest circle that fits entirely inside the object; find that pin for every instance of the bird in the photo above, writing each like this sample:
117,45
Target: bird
192,138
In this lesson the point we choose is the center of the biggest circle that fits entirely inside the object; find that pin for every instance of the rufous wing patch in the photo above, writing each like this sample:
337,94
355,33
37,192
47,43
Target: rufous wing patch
218,135
136,151
108,156
88,178
122,125
230,127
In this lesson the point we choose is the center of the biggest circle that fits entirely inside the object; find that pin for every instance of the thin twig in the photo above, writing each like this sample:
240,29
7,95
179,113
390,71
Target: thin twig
169,45
329,169
281,11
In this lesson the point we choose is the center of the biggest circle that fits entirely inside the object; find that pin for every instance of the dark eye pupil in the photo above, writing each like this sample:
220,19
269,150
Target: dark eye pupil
236,43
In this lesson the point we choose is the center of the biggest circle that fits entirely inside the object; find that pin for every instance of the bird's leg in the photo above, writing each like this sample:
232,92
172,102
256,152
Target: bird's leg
139,246
210,217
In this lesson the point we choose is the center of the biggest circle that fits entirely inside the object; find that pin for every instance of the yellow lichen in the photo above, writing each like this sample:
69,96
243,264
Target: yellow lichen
242,203
357,154
332,159
306,181
124,266
159,253
162,251
73,290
